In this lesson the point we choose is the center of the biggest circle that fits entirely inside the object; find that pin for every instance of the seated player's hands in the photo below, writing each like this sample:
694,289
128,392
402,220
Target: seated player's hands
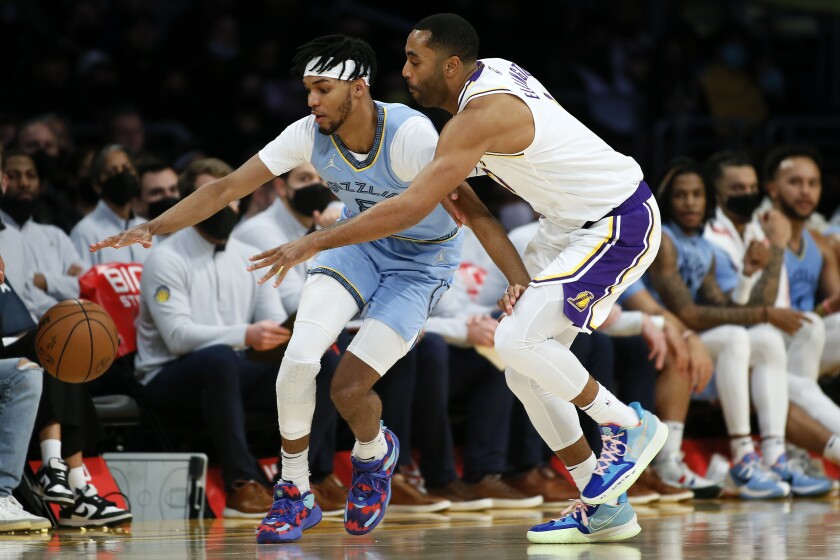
281,259
480,330
266,335
776,227
655,339
138,234
786,320
512,295
700,363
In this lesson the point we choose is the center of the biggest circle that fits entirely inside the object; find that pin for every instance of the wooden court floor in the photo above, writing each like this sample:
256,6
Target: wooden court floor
711,529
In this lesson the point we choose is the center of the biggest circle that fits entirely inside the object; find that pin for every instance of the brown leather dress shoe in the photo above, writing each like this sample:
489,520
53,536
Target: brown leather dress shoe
667,492
640,493
249,500
462,496
331,495
492,486
405,498
546,482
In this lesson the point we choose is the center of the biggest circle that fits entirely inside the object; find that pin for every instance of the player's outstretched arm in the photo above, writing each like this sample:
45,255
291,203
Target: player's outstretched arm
195,208
459,149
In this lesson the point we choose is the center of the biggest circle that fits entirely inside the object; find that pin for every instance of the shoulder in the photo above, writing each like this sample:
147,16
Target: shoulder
821,241
85,226
241,249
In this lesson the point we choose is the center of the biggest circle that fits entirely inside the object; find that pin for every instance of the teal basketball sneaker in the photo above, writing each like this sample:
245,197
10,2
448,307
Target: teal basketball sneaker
624,455
582,523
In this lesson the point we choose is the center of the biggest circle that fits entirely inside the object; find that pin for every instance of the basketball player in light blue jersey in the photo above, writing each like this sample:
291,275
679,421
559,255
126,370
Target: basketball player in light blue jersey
367,152
600,231
794,183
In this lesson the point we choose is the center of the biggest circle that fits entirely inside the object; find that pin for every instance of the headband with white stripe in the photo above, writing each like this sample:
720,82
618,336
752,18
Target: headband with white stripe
340,71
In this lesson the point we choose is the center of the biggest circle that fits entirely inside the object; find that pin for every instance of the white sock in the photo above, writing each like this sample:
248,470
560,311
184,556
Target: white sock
372,450
832,450
76,478
607,409
741,447
673,445
772,448
582,472
50,448
296,469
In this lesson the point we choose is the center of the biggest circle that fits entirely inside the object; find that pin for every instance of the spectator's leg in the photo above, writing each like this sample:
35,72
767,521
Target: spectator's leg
20,390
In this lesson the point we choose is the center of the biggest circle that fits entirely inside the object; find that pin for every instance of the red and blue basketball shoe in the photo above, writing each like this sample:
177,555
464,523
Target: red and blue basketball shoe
370,489
289,516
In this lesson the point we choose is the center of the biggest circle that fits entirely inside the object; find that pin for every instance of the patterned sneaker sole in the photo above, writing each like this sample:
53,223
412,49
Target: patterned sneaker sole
270,537
573,536
631,476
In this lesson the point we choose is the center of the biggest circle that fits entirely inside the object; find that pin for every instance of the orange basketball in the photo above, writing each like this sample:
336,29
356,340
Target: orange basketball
76,341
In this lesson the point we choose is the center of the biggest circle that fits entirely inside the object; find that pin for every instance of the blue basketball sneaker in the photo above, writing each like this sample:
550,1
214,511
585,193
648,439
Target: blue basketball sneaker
582,523
370,489
751,480
801,483
625,453
289,516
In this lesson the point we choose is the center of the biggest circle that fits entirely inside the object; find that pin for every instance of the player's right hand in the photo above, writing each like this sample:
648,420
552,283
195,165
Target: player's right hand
138,234
700,364
512,295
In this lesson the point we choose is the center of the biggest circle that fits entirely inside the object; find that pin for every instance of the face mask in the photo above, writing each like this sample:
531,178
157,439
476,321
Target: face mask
19,209
119,189
219,225
311,198
45,164
161,205
744,205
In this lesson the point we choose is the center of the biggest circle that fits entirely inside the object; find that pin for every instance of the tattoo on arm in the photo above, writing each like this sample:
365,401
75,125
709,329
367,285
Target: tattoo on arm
767,288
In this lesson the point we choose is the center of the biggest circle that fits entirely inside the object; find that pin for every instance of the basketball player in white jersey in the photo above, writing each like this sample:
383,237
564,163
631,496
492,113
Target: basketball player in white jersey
600,231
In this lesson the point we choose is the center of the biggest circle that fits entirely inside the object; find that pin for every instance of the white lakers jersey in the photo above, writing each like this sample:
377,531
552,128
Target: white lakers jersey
568,174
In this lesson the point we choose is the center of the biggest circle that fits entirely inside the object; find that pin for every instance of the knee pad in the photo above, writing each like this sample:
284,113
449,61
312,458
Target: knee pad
767,345
296,396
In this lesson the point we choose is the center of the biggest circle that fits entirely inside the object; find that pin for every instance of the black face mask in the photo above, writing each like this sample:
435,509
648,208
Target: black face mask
20,209
311,198
219,225
161,205
45,164
744,205
119,189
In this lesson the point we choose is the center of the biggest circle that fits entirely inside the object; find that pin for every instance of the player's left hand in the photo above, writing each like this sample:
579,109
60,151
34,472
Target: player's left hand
512,295
281,259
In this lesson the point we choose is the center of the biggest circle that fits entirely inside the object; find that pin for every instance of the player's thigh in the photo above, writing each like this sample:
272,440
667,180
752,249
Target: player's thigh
404,301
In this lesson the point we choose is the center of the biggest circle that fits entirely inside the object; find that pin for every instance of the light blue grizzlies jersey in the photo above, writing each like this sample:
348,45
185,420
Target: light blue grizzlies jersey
804,273
362,184
694,258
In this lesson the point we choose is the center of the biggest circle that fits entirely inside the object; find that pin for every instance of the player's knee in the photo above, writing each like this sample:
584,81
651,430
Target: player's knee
510,339
767,345
813,331
517,383
738,346
295,382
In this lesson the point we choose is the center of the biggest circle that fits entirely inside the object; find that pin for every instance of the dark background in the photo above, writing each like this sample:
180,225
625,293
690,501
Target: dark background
655,78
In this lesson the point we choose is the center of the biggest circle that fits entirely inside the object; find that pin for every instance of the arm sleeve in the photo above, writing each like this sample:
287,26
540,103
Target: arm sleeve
413,147
172,317
291,148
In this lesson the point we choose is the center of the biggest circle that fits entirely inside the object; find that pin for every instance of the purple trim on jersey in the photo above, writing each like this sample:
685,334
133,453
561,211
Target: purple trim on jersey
473,77
604,272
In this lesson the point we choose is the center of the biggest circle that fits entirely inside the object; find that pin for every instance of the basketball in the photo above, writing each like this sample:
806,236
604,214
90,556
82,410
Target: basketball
76,341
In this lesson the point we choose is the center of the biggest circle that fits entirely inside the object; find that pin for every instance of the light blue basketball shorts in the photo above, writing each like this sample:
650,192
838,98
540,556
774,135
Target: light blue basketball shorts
395,281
